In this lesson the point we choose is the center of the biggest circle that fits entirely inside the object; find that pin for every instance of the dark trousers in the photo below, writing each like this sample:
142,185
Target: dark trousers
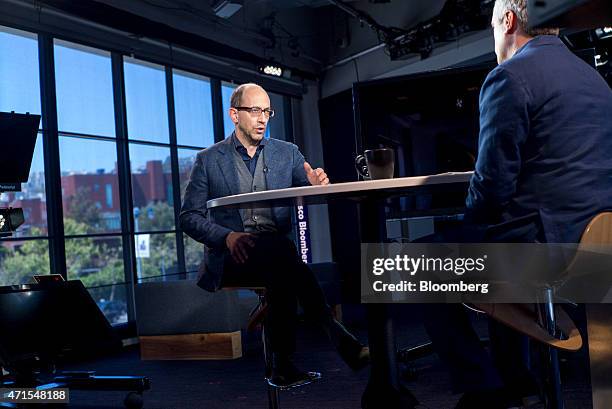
274,264
471,367
449,327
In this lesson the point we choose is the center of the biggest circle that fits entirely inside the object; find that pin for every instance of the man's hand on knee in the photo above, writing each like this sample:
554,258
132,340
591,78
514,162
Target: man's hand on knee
238,244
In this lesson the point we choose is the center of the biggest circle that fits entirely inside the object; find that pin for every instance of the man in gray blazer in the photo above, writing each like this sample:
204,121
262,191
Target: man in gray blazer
251,247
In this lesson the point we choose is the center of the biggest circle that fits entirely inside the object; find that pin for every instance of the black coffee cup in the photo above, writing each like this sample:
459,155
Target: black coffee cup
376,164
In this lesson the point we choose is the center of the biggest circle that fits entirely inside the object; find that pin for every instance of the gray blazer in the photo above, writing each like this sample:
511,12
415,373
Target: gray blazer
213,176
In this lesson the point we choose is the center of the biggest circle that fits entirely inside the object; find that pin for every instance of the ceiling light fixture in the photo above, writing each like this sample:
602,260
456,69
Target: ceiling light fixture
227,8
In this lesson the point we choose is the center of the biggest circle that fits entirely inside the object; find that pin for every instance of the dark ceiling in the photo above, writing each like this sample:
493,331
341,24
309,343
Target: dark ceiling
303,35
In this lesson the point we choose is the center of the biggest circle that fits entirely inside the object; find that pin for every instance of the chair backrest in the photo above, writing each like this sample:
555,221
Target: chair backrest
599,230
590,262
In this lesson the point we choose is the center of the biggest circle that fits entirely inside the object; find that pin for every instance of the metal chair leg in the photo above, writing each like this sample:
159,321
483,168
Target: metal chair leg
273,395
554,397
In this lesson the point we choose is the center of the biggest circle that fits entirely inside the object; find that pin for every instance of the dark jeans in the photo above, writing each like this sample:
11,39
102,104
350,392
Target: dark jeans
274,263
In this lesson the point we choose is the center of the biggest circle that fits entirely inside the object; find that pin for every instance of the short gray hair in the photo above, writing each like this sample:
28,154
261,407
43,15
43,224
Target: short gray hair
236,98
519,8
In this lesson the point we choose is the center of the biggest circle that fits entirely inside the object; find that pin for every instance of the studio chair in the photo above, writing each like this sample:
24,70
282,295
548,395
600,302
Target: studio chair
546,322
257,319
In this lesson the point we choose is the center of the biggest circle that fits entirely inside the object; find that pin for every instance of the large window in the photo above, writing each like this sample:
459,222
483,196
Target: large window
90,184
156,256
150,162
186,157
19,84
152,188
146,101
193,109
194,129
89,180
21,259
27,252
84,90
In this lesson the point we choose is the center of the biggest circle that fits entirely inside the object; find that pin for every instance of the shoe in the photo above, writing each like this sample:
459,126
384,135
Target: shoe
283,381
352,352
285,375
489,399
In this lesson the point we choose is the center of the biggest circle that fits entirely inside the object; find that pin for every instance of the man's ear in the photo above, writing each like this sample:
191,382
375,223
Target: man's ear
510,22
233,115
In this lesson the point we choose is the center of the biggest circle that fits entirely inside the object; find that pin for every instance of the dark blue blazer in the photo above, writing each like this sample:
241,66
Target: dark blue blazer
214,175
544,165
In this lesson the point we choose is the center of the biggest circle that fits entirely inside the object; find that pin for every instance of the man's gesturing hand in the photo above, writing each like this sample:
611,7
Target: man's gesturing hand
316,176
238,245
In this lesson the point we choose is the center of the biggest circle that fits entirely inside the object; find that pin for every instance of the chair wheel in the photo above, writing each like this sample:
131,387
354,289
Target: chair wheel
133,400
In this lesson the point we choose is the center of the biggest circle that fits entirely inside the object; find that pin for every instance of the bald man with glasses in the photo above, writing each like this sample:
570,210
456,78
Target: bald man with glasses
251,247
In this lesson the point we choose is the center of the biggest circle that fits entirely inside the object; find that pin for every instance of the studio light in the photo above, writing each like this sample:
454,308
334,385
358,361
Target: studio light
10,220
604,32
273,70
601,60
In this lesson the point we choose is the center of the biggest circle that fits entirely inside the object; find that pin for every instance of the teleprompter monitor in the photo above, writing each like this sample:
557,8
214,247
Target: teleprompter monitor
17,141
51,320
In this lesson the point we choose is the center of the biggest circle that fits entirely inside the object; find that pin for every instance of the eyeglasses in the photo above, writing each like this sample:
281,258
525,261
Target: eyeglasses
256,111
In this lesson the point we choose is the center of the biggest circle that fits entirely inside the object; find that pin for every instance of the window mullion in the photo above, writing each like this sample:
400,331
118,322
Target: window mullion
217,107
125,185
53,184
176,183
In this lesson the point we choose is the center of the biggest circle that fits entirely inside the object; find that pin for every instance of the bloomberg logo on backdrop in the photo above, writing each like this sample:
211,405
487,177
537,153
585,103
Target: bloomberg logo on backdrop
303,236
